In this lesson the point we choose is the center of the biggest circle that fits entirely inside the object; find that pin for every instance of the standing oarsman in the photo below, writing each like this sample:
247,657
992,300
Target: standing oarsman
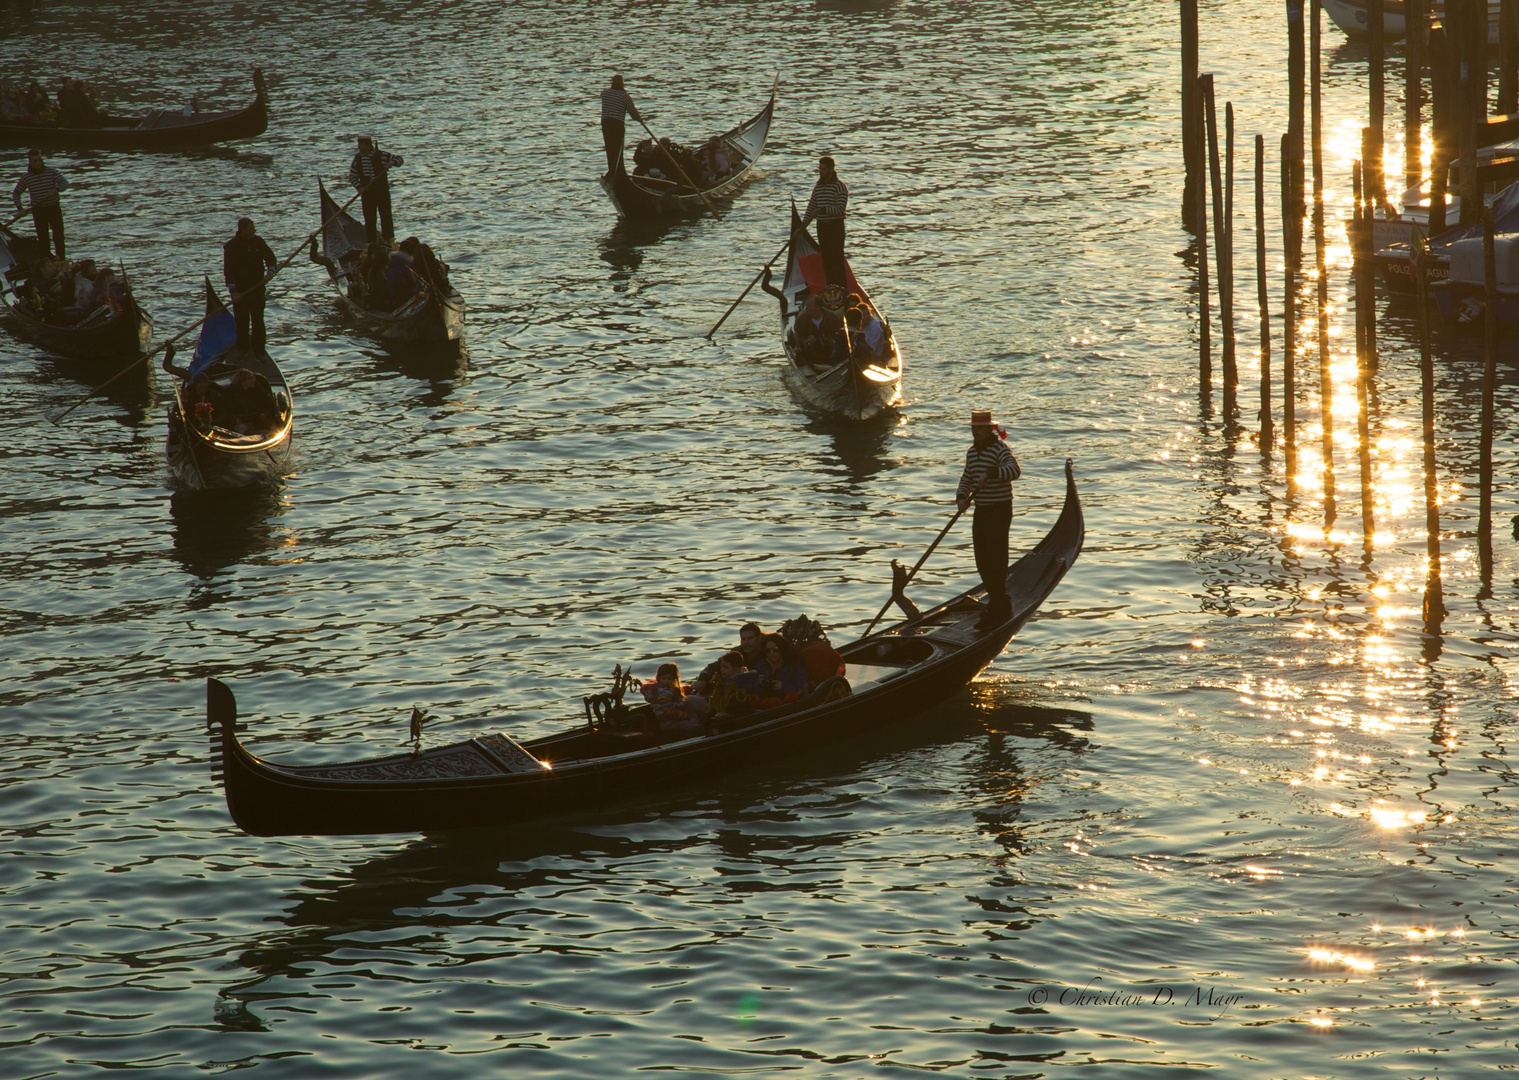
990,470
245,260
829,203
615,104
369,172
42,183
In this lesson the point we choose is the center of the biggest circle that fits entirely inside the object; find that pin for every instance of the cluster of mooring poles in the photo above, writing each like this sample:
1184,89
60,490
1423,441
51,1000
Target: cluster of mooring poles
1453,51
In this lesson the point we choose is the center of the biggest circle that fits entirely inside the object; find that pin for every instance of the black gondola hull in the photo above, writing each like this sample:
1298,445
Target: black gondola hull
473,784
638,199
159,130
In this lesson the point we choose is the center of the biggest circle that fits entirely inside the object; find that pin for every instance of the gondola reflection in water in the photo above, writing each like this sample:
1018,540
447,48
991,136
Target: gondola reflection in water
493,780
234,428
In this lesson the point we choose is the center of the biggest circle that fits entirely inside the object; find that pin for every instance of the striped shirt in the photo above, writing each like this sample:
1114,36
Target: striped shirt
996,463
615,103
43,187
830,198
362,171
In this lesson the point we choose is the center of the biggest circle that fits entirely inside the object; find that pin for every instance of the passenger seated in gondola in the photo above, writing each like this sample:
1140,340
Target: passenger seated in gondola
201,399
735,689
112,294
715,160
783,676
815,332
675,709
249,404
401,281
643,157
77,106
38,105
872,327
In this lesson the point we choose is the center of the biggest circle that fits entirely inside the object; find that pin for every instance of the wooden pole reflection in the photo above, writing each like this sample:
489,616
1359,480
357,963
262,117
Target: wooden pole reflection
1489,383
1326,386
1262,298
1360,239
1434,603
1290,252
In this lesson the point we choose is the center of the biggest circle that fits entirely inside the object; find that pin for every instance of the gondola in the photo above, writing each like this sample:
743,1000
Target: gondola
202,453
855,388
1352,16
434,314
160,129
99,334
494,780
646,198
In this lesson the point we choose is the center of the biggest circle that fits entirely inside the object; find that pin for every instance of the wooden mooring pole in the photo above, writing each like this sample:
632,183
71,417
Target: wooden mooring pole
1371,168
1441,126
1326,379
1508,57
1471,97
1194,191
1290,256
1365,302
1292,213
1414,50
1261,295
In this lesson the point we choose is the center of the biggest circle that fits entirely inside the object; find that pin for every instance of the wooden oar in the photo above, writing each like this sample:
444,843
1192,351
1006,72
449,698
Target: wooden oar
18,217
683,176
917,565
745,293
145,357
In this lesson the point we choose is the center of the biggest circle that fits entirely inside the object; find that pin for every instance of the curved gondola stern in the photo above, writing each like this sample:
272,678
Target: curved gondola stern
234,767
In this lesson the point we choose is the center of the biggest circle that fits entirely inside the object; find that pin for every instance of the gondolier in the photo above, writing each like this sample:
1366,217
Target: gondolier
990,470
828,206
615,104
369,172
244,260
42,183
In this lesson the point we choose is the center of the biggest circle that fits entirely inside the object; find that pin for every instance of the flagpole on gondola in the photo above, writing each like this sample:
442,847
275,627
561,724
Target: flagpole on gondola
145,357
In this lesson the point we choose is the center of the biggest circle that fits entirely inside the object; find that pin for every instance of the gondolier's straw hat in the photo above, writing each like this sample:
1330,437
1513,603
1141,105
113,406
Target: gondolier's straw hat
980,416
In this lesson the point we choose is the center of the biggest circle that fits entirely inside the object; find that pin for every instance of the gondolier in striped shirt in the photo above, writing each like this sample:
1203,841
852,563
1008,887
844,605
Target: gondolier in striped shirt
990,470
615,104
42,183
829,202
369,172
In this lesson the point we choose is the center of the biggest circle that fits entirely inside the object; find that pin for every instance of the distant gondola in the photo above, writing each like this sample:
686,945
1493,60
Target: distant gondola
493,780
159,130
644,198
99,334
857,387
202,452
434,314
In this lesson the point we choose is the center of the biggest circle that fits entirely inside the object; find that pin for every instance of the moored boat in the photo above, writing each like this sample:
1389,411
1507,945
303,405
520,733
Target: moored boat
643,198
1395,258
494,780
101,333
1352,16
855,386
160,129
237,432
435,313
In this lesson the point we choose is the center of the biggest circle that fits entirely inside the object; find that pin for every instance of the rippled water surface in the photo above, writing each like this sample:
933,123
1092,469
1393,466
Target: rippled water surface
1224,805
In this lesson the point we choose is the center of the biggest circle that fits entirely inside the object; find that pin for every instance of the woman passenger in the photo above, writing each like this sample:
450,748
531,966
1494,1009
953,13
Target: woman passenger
783,676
